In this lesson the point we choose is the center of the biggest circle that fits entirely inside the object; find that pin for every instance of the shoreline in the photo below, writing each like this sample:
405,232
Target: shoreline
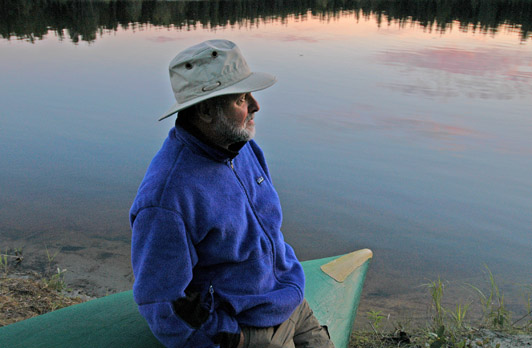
100,266
406,318
38,296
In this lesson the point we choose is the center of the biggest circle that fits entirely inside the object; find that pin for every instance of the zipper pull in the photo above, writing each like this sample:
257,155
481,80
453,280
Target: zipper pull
211,291
231,164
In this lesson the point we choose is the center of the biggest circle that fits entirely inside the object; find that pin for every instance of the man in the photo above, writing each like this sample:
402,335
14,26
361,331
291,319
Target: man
210,262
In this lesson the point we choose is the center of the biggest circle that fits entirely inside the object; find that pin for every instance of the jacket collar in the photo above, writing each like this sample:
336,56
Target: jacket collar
194,138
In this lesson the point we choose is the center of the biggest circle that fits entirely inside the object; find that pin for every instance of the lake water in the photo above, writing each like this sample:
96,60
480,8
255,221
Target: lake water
404,129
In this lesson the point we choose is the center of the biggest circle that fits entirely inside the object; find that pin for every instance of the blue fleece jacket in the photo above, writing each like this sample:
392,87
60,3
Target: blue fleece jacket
207,250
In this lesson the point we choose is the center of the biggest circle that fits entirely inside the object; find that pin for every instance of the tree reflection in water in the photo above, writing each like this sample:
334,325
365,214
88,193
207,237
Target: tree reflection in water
84,20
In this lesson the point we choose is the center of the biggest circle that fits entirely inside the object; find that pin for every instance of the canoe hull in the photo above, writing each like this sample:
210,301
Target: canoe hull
335,303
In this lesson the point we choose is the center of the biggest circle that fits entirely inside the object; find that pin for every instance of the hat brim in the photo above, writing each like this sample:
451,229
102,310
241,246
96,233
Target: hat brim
254,82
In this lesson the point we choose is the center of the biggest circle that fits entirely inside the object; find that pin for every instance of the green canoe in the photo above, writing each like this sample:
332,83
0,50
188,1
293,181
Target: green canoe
333,289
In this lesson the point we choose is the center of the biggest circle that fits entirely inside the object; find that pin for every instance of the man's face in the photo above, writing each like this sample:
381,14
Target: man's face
235,118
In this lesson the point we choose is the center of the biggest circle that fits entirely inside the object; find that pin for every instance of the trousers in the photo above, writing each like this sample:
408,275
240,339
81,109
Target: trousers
301,330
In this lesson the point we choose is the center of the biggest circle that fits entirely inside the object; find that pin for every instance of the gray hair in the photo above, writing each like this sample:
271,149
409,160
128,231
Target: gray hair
217,103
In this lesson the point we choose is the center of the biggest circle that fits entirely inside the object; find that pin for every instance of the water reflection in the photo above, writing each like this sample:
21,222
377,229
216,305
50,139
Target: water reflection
85,20
393,137
508,71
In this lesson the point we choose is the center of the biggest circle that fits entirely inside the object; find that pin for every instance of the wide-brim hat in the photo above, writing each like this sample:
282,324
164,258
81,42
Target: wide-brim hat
210,69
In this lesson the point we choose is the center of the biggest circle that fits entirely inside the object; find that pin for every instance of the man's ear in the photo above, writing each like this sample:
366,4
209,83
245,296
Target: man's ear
204,111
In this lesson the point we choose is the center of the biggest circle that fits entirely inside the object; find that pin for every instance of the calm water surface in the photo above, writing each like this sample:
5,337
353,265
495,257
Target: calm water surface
413,141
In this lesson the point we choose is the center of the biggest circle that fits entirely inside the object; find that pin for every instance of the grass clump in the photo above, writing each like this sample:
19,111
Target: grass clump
495,313
57,280
23,298
452,326
25,295
10,257
54,277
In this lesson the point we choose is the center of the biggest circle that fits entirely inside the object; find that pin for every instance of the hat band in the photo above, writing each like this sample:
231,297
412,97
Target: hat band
186,92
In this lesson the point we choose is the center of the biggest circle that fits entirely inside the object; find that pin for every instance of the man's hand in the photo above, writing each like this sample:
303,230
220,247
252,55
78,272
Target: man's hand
241,343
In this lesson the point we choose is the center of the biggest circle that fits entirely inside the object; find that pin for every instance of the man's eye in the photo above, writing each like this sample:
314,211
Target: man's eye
242,99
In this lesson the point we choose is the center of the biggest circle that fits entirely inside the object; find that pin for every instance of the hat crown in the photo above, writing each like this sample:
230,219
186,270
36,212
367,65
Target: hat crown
206,67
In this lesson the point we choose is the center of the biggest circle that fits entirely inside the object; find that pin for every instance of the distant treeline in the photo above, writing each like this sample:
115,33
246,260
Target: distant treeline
84,19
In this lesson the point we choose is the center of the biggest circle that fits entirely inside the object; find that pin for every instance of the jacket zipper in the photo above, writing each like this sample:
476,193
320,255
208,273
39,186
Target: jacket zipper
230,162
211,292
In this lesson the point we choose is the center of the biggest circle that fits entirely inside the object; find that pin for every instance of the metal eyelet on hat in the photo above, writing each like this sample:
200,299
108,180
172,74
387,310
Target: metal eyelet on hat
211,87
188,66
214,54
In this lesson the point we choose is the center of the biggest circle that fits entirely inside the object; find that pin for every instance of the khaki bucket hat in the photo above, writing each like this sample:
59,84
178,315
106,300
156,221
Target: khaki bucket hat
210,69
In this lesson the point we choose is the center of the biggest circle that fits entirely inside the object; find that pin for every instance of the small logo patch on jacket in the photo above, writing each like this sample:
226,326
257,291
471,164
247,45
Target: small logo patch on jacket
260,180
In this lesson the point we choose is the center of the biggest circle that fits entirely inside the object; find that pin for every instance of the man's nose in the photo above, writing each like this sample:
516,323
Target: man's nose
253,104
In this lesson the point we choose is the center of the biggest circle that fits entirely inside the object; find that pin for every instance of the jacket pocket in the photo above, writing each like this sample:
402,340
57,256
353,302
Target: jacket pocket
190,309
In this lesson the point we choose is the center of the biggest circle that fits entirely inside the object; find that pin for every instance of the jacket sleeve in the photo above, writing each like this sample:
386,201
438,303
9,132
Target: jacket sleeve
163,258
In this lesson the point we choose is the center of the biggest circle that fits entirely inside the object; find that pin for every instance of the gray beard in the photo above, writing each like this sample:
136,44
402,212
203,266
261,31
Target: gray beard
229,132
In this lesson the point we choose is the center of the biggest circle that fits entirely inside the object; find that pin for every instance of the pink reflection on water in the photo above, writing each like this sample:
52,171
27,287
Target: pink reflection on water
497,73
429,127
163,39
477,62
415,126
438,135
288,37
